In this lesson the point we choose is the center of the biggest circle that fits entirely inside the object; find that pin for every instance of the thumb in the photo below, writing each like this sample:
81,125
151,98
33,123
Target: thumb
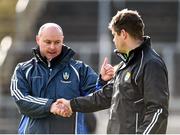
60,100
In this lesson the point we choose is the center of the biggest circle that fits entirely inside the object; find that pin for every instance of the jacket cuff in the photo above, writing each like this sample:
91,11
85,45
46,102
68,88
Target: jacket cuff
73,105
100,82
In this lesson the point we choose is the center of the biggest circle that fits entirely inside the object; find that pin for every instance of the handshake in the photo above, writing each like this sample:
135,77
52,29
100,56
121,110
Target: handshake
61,107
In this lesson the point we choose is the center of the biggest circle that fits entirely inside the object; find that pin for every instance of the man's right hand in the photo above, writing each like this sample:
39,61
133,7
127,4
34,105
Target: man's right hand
107,70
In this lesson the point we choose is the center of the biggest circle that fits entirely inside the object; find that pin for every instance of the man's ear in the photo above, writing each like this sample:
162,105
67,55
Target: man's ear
124,33
37,39
62,39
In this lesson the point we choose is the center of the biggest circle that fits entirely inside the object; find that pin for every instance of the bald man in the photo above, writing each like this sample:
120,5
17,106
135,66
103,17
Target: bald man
50,75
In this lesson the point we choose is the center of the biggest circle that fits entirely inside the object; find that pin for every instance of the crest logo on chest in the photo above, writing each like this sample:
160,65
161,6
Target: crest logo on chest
127,76
65,76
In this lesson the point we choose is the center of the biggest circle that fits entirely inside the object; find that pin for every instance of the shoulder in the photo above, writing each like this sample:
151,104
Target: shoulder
81,67
26,64
77,63
155,64
152,57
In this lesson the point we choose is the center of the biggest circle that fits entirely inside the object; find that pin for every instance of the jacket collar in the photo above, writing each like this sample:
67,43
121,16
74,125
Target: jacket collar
133,52
66,54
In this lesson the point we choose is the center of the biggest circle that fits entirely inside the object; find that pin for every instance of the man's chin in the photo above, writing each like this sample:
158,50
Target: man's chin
49,58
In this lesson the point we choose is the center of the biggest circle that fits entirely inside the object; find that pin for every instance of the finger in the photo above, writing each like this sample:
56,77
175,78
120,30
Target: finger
61,113
108,67
65,113
110,72
105,61
60,100
65,110
64,106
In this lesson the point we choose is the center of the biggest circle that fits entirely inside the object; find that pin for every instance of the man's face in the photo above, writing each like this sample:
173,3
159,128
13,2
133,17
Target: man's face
50,42
118,39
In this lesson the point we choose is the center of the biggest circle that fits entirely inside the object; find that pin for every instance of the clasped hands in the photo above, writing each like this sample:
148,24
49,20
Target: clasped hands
61,107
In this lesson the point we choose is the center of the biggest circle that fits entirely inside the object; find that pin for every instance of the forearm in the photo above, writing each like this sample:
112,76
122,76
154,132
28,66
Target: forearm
97,101
27,104
34,110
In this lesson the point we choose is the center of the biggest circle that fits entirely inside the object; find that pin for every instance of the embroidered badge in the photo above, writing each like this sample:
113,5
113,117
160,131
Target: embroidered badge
65,75
127,76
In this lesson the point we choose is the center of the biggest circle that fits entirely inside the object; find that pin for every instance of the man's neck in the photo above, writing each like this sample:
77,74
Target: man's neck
134,43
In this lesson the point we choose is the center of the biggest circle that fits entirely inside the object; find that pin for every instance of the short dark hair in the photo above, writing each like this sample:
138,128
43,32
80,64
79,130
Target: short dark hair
130,21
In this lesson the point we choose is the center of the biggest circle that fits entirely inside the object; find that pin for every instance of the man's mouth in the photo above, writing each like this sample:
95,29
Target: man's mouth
52,52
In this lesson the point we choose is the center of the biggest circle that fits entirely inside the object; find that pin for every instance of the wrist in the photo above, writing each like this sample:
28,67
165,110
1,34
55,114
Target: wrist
72,104
52,109
49,104
101,80
100,83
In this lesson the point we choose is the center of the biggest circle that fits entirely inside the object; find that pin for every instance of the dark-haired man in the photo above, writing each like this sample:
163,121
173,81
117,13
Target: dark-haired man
138,95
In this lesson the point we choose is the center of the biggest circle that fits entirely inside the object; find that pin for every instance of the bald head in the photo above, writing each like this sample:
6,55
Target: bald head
50,26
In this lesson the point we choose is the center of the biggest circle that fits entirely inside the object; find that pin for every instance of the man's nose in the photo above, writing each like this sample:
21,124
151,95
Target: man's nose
52,45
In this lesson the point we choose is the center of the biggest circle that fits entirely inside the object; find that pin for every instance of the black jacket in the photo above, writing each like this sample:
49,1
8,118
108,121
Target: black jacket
138,95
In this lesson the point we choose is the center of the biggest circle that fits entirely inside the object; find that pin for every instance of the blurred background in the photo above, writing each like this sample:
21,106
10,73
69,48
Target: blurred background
85,28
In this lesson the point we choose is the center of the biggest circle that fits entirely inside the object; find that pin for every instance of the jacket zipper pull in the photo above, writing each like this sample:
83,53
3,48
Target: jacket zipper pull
49,66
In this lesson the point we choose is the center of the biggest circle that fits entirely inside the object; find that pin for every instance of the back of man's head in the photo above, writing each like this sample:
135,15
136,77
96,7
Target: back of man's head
130,21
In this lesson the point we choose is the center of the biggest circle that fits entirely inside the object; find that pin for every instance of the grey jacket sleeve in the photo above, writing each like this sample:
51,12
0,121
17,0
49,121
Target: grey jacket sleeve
98,100
34,107
156,98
